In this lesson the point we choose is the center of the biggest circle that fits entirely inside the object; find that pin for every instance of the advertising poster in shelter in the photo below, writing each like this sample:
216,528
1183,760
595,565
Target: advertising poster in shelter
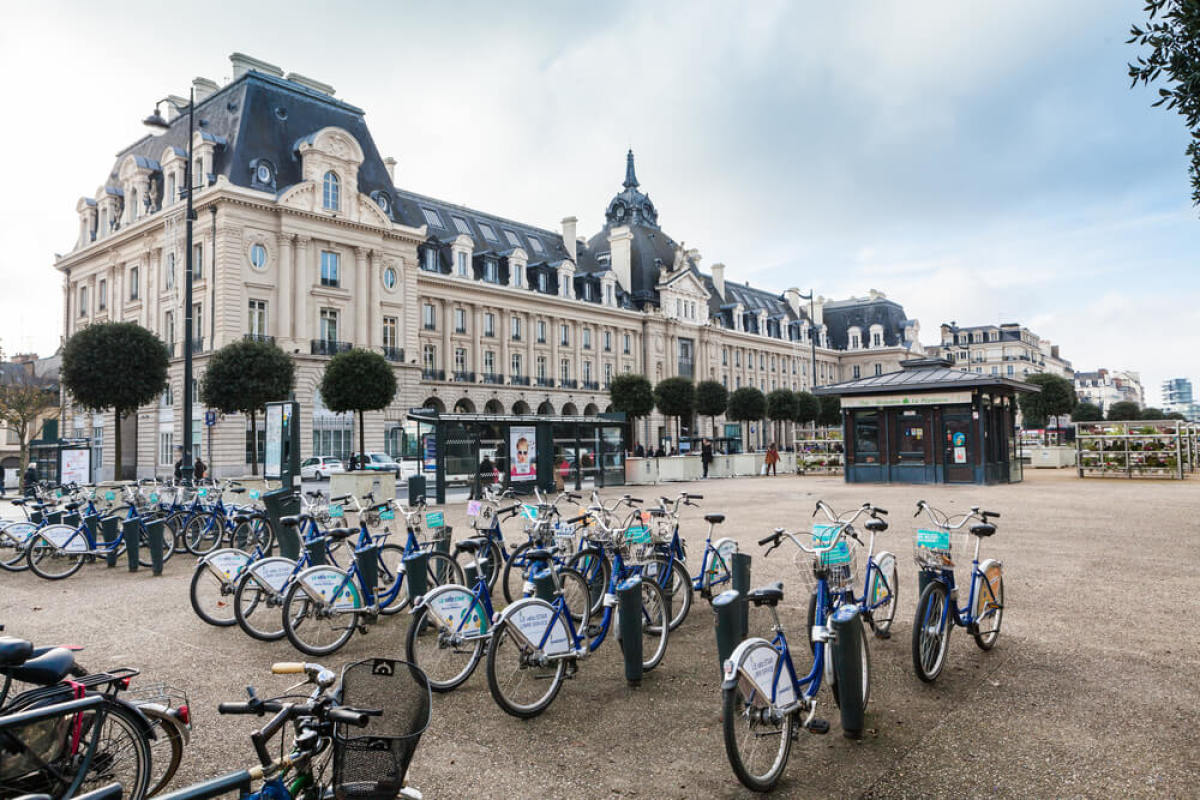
76,466
523,452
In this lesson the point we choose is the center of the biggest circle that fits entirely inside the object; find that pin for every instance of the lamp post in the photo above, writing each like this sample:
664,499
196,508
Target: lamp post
812,342
156,121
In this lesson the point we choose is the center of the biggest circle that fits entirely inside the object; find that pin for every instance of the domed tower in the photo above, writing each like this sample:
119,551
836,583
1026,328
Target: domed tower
631,207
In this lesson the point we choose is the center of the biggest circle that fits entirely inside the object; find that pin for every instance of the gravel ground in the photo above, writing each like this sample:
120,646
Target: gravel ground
1091,691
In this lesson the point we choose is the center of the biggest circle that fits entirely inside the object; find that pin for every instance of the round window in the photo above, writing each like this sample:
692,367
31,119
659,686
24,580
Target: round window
258,256
389,278
264,173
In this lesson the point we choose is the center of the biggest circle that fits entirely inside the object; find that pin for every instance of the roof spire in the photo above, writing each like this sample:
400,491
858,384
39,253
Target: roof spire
631,181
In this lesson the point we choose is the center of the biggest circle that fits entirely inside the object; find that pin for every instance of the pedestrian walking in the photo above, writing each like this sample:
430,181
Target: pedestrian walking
200,468
772,458
639,451
30,478
2,480
706,455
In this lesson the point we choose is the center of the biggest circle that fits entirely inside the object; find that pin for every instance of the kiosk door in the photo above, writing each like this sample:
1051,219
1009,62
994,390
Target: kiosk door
960,447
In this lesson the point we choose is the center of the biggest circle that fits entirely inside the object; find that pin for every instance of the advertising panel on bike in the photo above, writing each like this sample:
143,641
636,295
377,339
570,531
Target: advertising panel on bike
274,572
228,563
523,452
455,606
759,664
332,586
532,620
65,538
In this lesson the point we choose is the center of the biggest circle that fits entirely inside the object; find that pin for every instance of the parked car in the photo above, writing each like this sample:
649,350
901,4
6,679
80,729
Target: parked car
320,467
382,462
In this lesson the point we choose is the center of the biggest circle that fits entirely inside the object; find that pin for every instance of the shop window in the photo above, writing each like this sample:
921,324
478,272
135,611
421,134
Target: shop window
866,437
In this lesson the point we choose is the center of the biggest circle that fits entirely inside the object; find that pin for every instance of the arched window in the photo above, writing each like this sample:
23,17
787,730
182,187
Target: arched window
331,197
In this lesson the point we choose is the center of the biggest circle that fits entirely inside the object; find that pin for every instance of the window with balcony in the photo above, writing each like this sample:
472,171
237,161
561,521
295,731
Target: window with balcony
331,192
541,331
330,268
608,369
564,370
515,328
429,317
541,368
134,287
460,320
429,358
515,365
489,361
489,324
256,324
391,335
587,372
329,324
460,359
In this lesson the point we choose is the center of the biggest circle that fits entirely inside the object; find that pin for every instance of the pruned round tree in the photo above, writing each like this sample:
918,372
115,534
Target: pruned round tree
1056,398
358,381
1087,412
242,377
712,398
676,397
808,407
831,411
781,407
1124,410
114,365
631,395
746,404
1150,412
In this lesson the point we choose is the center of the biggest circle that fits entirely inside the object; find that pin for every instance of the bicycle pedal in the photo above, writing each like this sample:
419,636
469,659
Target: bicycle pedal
818,726
883,635
572,667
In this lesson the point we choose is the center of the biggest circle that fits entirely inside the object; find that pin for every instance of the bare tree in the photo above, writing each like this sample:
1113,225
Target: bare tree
26,400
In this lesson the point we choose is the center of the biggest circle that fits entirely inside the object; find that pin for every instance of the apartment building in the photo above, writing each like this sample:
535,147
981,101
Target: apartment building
1104,387
1009,350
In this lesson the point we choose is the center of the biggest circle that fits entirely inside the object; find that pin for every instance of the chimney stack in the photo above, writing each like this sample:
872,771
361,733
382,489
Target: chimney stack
390,163
176,103
243,63
718,276
310,83
568,235
203,87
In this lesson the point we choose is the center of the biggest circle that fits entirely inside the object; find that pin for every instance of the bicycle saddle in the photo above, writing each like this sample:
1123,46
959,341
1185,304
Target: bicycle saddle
471,545
538,554
766,595
715,519
46,669
19,501
237,489
983,529
877,525
292,521
71,506
14,651
338,534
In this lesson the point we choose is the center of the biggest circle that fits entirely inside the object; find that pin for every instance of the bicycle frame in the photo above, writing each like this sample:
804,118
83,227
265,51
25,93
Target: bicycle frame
72,707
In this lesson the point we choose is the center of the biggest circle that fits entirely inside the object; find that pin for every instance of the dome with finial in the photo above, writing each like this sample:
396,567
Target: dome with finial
631,207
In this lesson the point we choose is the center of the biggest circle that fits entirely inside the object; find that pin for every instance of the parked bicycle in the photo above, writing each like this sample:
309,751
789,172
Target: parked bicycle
936,552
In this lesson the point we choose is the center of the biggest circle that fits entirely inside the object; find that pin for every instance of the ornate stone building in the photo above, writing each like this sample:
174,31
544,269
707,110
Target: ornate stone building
1009,350
303,238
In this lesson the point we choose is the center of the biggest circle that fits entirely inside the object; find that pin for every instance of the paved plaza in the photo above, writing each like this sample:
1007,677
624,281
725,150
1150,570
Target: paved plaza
1091,691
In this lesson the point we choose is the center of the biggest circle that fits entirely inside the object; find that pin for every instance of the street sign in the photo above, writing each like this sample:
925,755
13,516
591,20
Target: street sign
210,418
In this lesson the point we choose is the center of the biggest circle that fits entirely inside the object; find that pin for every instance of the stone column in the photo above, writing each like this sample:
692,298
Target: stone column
301,324
283,293
374,301
360,296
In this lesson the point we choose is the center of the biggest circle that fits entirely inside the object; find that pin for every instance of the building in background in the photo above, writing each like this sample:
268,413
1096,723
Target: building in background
303,238
1177,397
1104,387
1008,351
29,370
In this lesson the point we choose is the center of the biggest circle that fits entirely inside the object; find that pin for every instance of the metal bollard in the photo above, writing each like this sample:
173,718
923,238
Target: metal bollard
54,518
543,581
740,580
71,519
108,532
317,553
131,529
92,522
368,566
154,532
847,668
288,540
725,611
416,569
629,627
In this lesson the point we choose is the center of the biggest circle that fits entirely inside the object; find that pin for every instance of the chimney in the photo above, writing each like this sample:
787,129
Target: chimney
718,276
792,296
819,310
390,163
203,87
243,63
568,235
620,242
175,103
309,83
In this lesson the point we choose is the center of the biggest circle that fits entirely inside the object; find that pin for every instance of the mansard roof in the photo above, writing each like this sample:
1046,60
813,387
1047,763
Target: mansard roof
862,313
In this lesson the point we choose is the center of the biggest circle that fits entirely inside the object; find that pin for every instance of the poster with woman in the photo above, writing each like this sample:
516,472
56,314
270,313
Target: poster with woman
523,453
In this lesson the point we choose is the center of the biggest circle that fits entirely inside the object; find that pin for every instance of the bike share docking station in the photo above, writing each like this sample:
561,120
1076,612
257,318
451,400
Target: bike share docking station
281,462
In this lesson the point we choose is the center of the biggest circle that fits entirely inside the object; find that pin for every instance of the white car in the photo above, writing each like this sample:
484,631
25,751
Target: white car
320,467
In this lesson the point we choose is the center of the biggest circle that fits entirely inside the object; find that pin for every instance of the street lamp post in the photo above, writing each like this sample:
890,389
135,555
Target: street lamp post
812,342
155,120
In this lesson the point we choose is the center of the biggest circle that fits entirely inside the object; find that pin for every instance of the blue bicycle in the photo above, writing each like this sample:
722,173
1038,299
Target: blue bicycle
58,551
765,703
535,642
937,609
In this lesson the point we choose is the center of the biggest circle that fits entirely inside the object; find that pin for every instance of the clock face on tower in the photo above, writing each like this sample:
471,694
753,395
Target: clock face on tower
619,211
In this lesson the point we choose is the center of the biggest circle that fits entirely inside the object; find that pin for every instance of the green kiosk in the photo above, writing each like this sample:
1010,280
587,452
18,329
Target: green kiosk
281,463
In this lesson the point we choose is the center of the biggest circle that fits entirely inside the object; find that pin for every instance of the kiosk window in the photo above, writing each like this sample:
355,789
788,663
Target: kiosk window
866,437
910,437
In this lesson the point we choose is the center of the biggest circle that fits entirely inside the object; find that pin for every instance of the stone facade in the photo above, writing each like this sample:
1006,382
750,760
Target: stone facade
1009,351
1104,387
302,237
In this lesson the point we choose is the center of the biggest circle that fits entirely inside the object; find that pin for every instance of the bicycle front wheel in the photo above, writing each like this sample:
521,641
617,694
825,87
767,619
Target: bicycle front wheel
931,631
392,597
441,650
756,743
49,561
254,532
882,595
312,624
521,681
13,540
168,540
512,577
864,667
989,605
212,596
256,608
122,752
203,533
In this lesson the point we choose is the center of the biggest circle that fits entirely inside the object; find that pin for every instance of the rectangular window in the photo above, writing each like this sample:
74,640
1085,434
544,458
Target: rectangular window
587,338
165,447
587,371
429,317
564,335
516,275
541,367
608,294
724,356
857,371
169,328
877,339
460,359
330,268
608,341
102,294
257,323
169,278
607,375
515,325
564,370
429,357
541,331
197,321
460,320
866,437
429,261
461,263
626,348
541,282
489,361
197,261
329,324
491,271
134,289
536,244
516,365
489,324
391,332
879,369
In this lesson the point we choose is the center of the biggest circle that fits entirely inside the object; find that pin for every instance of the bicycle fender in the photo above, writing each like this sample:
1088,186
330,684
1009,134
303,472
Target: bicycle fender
986,566
756,661
273,572
184,730
448,604
530,617
228,562
881,558
143,724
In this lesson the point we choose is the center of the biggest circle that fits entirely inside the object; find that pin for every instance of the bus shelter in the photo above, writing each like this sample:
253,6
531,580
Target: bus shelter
520,451
931,423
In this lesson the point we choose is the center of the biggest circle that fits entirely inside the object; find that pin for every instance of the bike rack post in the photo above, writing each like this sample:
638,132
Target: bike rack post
71,519
154,531
740,580
416,573
368,566
923,579
847,668
543,582
54,518
316,553
92,521
108,532
132,531
629,627
725,612
441,544
279,503
471,572
35,517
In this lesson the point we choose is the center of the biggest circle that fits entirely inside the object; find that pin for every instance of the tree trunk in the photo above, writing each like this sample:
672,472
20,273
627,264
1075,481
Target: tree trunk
117,445
22,436
253,443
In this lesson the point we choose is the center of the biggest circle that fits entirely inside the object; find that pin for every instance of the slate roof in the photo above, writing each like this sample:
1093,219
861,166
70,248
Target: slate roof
926,374
841,315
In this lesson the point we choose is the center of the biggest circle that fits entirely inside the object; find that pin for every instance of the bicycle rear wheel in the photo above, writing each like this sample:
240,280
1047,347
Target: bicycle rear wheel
391,579
212,597
255,532
313,624
596,569
440,650
672,577
49,561
13,539
257,608
521,683
122,752
931,631
203,533
882,595
166,749
512,577
989,605
144,557
656,624
756,744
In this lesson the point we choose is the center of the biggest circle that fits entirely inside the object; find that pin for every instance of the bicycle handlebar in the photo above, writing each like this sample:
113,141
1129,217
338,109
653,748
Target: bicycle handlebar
576,520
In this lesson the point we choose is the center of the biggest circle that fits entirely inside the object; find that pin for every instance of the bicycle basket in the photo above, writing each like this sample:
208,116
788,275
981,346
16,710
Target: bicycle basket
370,763
938,549
841,563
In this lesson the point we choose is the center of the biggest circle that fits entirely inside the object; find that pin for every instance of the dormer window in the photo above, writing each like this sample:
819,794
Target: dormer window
429,262
432,218
491,272
541,282
536,244
461,263
488,232
512,238
331,192
461,225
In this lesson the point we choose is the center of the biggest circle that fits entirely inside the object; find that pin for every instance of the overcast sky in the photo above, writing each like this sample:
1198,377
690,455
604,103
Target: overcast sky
979,162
